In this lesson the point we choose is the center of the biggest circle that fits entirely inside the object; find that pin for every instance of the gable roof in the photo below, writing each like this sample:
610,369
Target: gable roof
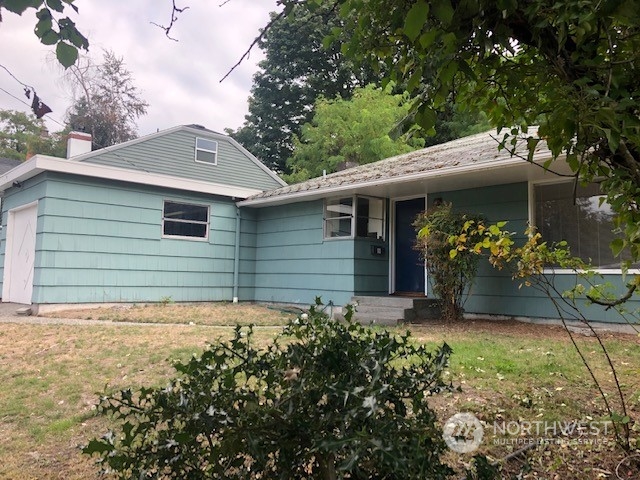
192,129
462,156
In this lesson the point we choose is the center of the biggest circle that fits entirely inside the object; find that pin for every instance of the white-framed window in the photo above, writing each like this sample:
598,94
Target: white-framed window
586,224
185,220
206,151
355,216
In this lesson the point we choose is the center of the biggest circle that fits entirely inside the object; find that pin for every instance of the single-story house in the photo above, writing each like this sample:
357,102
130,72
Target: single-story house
189,214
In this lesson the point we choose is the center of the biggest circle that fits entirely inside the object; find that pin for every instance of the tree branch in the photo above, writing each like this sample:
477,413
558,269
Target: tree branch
174,18
612,303
255,42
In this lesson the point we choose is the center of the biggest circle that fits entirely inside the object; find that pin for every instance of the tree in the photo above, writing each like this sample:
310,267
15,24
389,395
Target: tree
106,101
324,400
22,134
351,132
52,28
297,69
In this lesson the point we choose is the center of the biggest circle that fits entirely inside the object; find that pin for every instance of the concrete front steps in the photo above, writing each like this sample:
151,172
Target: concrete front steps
389,310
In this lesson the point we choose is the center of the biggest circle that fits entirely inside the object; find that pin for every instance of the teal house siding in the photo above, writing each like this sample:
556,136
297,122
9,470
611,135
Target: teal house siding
294,264
173,153
371,270
494,292
248,254
101,241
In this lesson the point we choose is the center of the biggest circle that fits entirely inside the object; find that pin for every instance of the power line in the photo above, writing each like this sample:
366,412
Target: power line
28,105
126,160
16,78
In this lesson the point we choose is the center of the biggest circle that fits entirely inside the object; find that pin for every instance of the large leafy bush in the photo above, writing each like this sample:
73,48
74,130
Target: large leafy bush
324,400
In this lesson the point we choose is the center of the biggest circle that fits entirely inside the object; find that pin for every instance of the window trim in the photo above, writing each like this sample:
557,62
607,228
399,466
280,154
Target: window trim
184,237
532,221
196,149
354,218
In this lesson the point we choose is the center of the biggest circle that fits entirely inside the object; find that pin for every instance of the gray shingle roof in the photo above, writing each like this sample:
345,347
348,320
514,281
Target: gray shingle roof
7,164
473,150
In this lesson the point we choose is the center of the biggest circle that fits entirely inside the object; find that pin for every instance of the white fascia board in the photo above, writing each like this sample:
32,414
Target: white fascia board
41,163
429,174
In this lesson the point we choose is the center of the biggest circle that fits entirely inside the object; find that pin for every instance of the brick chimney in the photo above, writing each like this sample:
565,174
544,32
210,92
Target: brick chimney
78,143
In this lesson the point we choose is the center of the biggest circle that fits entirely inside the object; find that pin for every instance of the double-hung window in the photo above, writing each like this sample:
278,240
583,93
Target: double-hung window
586,224
206,151
185,220
349,217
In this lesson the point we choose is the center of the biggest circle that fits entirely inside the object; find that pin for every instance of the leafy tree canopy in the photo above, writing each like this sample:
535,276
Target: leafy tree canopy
571,67
346,133
106,100
52,28
22,134
297,69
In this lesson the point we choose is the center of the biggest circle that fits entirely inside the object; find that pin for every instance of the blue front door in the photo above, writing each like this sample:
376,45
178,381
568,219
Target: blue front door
409,267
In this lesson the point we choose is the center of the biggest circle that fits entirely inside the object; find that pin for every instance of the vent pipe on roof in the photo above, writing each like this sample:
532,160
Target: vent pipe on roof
78,143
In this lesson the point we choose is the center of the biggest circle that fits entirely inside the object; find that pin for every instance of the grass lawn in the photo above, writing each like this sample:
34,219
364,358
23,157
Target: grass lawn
51,377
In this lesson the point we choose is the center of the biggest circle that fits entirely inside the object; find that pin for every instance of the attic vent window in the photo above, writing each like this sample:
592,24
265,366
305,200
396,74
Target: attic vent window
206,151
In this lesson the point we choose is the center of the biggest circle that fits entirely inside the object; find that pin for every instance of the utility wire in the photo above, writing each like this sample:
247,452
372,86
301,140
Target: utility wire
126,160
16,78
29,105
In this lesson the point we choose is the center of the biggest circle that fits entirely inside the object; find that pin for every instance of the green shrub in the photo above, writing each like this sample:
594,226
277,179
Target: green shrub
324,400
451,270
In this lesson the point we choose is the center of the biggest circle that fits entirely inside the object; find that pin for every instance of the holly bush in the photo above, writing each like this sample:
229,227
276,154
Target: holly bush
323,400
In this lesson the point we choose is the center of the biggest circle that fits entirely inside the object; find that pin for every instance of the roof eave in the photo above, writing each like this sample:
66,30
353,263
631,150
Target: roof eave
307,195
41,163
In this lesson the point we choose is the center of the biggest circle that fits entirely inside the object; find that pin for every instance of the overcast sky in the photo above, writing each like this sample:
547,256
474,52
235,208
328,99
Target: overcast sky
180,80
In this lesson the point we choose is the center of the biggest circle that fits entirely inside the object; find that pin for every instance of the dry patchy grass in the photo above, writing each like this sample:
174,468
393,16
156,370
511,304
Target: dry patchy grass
218,313
51,376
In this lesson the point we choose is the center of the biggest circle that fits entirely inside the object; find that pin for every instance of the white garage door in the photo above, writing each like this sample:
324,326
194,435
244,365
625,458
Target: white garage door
20,254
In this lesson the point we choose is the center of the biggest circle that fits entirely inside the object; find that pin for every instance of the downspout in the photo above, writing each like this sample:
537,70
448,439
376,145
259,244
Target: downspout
236,258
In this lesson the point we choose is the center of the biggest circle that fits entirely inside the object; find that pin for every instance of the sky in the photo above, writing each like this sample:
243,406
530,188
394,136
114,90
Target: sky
179,79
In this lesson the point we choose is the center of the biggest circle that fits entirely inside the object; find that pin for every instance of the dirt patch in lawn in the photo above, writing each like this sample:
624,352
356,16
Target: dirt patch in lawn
439,330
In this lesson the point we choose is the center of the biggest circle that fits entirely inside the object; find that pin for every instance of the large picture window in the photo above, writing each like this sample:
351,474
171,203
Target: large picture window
354,217
586,224
185,220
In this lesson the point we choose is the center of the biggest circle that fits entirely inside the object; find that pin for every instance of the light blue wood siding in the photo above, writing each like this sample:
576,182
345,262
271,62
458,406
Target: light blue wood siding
102,242
174,154
248,255
494,292
371,271
294,264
